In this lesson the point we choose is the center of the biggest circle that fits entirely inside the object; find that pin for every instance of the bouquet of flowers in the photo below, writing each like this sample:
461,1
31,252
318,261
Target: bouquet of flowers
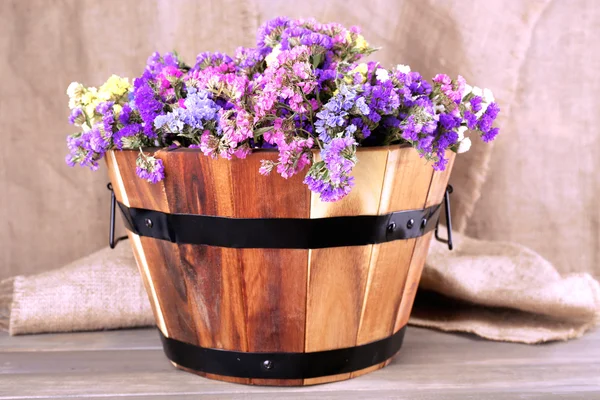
301,92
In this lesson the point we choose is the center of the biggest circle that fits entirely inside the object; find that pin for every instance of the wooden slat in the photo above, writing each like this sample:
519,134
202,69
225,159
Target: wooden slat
121,169
435,196
274,279
337,276
210,277
406,184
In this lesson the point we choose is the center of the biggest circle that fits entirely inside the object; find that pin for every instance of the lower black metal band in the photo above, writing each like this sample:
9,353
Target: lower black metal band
281,365
282,233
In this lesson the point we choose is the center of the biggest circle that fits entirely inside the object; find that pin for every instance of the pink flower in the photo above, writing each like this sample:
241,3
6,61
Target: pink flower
442,78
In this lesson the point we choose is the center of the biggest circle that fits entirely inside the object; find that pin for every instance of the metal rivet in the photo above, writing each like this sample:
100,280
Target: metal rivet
148,222
424,223
410,223
391,227
267,364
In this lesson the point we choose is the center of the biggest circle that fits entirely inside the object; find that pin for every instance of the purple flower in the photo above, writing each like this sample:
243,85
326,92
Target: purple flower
156,63
75,114
471,119
449,121
208,59
150,168
485,123
492,111
147,104
476,104
331,177
490,135
108,116
269,33
129,130
125,115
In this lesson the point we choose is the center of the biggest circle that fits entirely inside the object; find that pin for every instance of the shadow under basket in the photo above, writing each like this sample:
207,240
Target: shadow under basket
254,280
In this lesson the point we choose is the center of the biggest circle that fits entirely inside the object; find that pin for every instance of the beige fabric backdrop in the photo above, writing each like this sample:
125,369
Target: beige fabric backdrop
535,55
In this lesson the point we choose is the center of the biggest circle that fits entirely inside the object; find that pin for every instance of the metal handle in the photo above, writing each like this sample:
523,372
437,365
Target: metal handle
449,190
111,233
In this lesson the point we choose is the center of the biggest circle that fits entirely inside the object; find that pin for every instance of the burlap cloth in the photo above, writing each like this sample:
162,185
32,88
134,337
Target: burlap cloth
499,291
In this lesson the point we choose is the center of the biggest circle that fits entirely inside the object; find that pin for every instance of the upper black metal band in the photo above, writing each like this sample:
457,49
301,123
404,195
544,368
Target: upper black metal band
281,365
282,233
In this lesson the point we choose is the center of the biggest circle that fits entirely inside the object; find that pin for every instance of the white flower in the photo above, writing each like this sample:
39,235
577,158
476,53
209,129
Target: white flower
461,133
75,91
272,57
382,75
488,96
477,91
468,89
464,145
405,69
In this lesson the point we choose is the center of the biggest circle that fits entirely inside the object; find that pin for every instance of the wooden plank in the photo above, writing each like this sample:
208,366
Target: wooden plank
406,184
122,339
427,366
274,279
488,355
397,377
127,187
211,277
464,394
435,196
337,276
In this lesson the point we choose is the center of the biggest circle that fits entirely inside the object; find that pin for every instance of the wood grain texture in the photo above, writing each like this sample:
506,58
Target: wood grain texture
406,184
274,279
209,279
338,276
121,170
439,182
432,365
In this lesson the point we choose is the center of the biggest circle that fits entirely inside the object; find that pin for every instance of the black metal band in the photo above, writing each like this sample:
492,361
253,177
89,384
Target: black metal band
281,365
282,233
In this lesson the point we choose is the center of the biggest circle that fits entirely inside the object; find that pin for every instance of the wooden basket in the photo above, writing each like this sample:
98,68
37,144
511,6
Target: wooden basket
262,307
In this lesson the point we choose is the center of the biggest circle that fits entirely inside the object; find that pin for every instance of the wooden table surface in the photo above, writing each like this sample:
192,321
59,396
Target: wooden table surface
431,365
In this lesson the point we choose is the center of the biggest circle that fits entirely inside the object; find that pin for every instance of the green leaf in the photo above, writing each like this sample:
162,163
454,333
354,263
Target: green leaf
316,60
261,131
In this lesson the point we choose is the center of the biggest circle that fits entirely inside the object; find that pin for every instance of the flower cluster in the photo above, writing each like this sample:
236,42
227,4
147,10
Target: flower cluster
301,91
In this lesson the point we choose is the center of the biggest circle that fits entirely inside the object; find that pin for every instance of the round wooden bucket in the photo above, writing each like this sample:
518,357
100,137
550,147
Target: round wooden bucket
278,316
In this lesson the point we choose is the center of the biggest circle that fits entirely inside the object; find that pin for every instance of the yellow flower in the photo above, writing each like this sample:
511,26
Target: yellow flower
114,88
348,37
117,108
361,43
90,96
361,68
272,57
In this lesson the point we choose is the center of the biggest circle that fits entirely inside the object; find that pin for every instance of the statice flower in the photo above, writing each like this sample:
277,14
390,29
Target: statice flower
108,116
269,34
331,177
198,108
150,168
300,90
148,104
288,80
77,117
294,156
156,63
334,117
247,59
